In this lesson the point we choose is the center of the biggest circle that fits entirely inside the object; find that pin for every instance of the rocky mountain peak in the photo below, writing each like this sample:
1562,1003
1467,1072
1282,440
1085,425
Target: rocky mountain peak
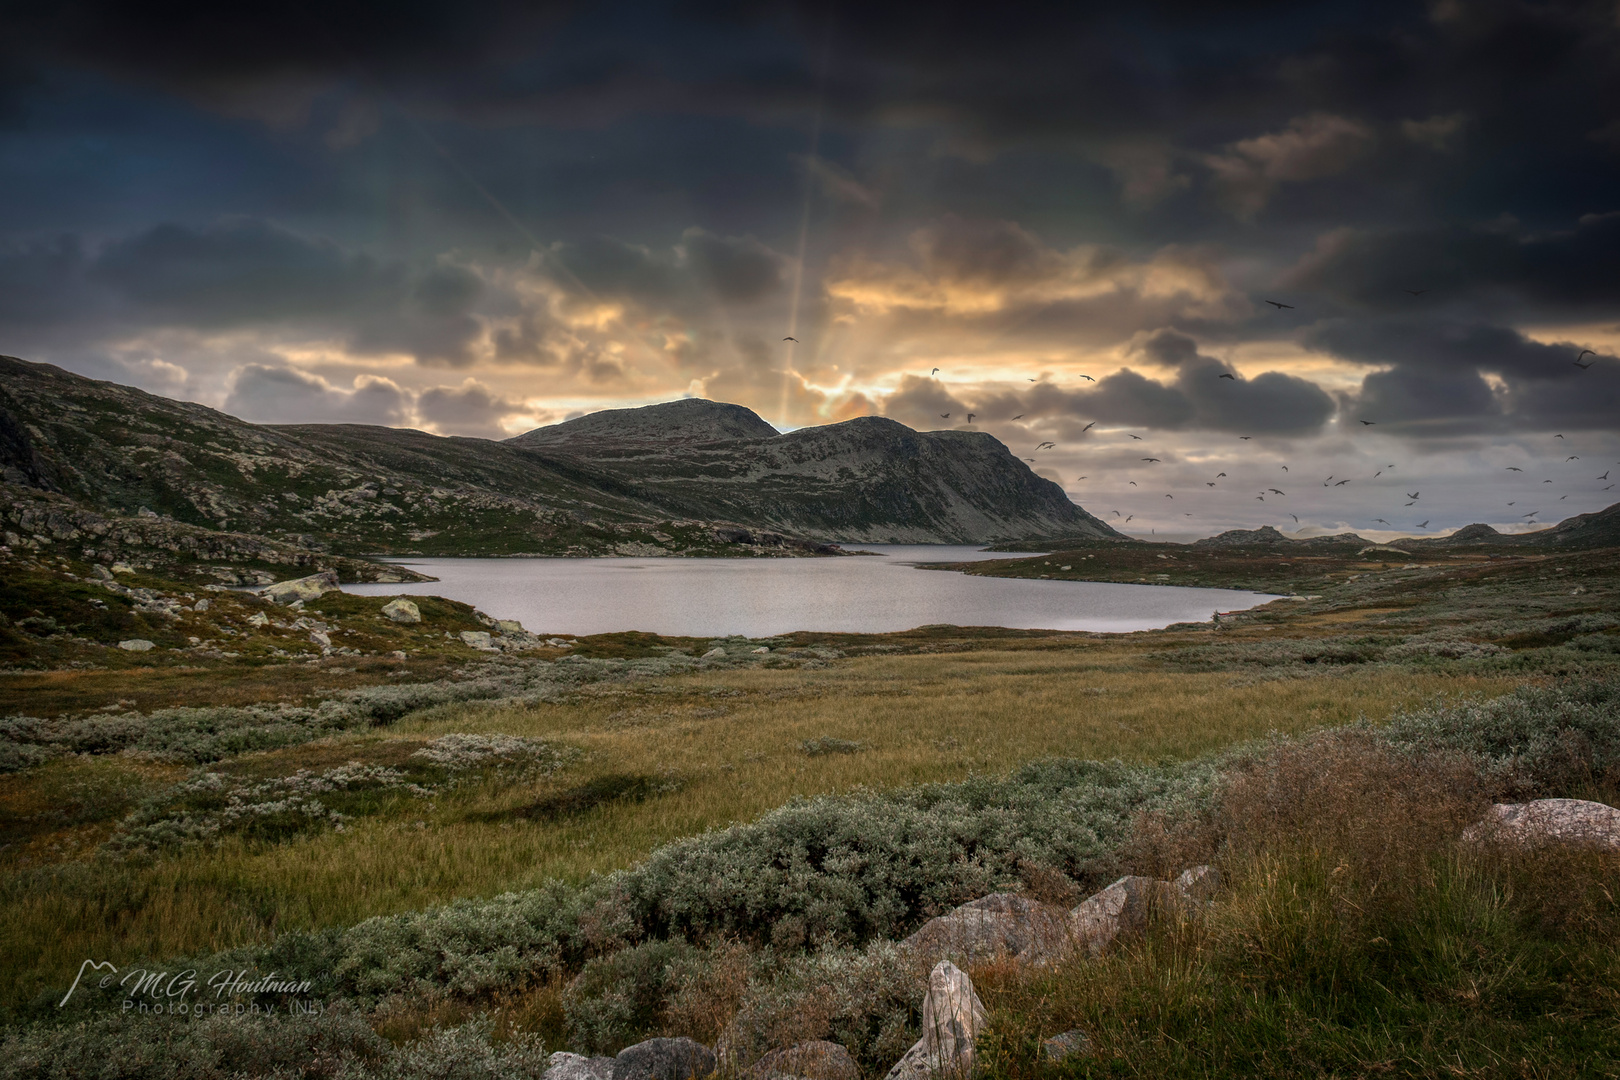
690,420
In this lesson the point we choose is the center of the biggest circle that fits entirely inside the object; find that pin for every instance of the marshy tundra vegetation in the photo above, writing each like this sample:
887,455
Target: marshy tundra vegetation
477,856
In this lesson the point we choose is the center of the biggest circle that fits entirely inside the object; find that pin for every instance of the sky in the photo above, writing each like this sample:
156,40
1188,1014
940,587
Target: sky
1062,225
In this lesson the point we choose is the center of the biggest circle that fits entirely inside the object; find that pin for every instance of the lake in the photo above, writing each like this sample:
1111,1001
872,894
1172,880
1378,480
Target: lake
764,597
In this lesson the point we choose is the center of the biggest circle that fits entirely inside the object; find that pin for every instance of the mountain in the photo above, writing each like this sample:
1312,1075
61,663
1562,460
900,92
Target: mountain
870,479
687,477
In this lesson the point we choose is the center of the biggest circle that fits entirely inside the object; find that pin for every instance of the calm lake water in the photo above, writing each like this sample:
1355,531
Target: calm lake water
763,597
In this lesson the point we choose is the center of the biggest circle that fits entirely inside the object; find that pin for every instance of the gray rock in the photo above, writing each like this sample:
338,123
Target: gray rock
201,605
715,653
319,637
509,626
478,639
101,573
817,1060
136,645
304,588
1075,1043
1550,821
952,1017
664,1059
1199,884
565,1066
1002,924
1120,910
401,610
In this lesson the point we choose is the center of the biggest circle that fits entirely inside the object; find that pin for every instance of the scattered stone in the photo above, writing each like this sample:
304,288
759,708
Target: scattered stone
817,1060
146,512
664,1059
201,605
559,643
952,1016
1551,821
478,639
258,618
101,573
122,568
136,645
1199,884
715,653
398,654
1002,924
1070,1044
305,588
402,610
510,626
565,1066
760,651
1119,910
320,638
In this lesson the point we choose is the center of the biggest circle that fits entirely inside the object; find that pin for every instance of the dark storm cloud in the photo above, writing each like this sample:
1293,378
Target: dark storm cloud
470,409
238,273
270,394
1570,271
1436,382
703,265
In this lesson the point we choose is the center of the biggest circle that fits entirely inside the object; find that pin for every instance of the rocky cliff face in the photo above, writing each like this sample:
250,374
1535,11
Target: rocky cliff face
870,479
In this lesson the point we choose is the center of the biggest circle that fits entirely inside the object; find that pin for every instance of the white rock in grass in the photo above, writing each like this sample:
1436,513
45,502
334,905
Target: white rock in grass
1551,821
1075,1043
1001,924
1199,884
565,1066
478,639
136,645
305,588
715,653
1120,910
401,610
952,1017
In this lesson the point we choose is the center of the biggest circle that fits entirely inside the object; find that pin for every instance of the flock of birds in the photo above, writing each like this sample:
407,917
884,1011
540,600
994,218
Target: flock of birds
1413,498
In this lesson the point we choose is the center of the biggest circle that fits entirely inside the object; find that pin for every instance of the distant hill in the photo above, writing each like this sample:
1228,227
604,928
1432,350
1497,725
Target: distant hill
686,477
868,479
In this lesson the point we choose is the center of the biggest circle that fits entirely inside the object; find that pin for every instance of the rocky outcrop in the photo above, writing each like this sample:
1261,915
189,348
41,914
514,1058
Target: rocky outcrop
312,587
815,1060
664,1059
952,1017
1573,822
402,611
999,925
565,1066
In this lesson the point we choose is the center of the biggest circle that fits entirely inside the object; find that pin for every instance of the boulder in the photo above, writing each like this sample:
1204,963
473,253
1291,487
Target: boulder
817,1060
304,588
1120,910
136,645
664,1059
319,637
1075,1043
509,626
478,639
1550,821
565,1066
952,1017
1002,924
401,610
1199,884
715,653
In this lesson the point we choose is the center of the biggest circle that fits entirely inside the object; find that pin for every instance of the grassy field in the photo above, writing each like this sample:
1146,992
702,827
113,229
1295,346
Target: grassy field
638,758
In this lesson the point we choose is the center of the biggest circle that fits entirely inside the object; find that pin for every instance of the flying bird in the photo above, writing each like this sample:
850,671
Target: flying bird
1370,423
1029,459
1341,483
1423,525
1262,498
1219,475
1585,351
1605,475
1586,365
1532,513
1046,446
947,416
1150,459
1546,481
1573,457
1510,504
1381,521
1169,496
1295,517
1285,468
1514,468
1278,306
1415,292
1558,436
1274,491
1129,518
1079,478
971,416
1116,513
1377,474
1227,375
1088,427
1138,438
1131,482
1088,378
1412,494
1032,380
1209,483
792,339
1609,487
1245,438
1407,504
1020,416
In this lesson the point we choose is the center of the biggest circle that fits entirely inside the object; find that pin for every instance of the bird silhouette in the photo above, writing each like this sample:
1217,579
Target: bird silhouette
1572,457
1610,487
944,416
1586,365
1423,525
1262,498
1563,496
1029,459
1219,475
1381,521
1138,438
1285,468
1605,475
1047,446
1295,517
1032,380
1558,436
1245,438
1150,459
1415,292
1532,513
971,416
792,339
1129,518
1585,351
1412,494
1131,482
1341,483
1369,423
934,372
1209,483
1274,491
1227,375
1407,504
1377,474
1169,496
1546,481
1088,427
1511,504
1278,306
1088,378
1079,478
1020,416
1514,468
1114,512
